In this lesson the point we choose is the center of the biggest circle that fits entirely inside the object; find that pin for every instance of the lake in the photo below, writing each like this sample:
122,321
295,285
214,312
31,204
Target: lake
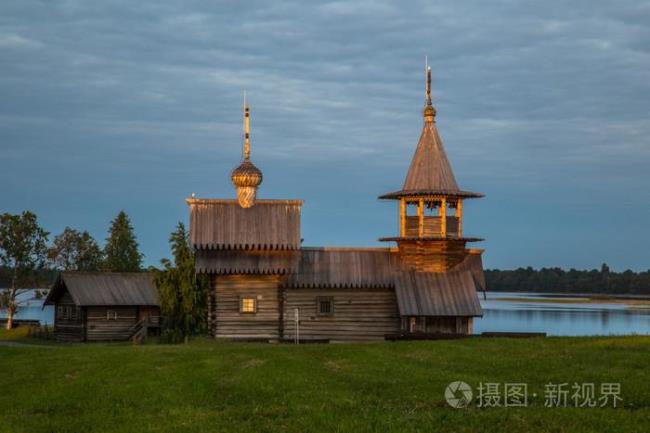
555,314
562,314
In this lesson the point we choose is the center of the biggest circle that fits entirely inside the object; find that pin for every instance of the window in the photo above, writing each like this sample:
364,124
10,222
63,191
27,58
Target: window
111,315
325,306
59,311
73,313
248,304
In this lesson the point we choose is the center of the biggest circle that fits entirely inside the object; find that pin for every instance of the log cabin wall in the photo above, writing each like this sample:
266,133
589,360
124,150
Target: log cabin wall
432,256
68,320
225,318
357,314
150,313
110,323
436,325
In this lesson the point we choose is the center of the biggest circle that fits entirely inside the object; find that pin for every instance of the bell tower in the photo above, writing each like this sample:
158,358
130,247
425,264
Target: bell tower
431,237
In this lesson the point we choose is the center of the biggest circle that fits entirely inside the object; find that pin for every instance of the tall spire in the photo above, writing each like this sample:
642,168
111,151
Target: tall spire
246,177
247,132
429,111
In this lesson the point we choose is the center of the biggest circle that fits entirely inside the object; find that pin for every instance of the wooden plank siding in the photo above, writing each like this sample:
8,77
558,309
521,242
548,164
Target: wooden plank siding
100,328
226,321
359,314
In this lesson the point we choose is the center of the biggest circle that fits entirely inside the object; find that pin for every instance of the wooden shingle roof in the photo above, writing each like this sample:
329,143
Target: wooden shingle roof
264,262
437,294
217,224
430,172
105,288
343,268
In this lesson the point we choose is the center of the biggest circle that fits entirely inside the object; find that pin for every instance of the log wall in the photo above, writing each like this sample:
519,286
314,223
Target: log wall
225,319
68,320
100,328
432,256
359,314
437,325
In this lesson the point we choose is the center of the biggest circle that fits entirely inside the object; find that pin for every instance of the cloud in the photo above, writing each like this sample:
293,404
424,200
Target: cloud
542,103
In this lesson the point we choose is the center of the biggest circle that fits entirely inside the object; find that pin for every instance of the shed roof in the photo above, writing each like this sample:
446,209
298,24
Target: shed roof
224,224
437,294
105,288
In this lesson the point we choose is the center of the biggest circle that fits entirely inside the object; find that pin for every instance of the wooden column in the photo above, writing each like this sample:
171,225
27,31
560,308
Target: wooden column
459,217
421,218
443,217
402,217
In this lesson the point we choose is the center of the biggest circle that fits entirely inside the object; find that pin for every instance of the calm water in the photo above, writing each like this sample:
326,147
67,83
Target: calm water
32,309
520,313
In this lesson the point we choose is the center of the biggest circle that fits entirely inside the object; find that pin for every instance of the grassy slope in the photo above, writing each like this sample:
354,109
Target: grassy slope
208,386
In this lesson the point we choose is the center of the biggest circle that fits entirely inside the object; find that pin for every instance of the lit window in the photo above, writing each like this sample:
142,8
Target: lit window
325,306
248,305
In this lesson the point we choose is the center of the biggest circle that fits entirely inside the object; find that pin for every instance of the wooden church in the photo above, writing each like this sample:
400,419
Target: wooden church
265,285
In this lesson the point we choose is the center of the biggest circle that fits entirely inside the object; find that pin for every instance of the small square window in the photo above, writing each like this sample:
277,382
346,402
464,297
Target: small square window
248,304
325,306
111,315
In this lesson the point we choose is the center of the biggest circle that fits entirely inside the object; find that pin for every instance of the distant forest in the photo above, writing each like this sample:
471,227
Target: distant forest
518,280
574,281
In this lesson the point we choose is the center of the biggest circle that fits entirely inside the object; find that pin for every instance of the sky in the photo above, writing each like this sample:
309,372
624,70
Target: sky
135,105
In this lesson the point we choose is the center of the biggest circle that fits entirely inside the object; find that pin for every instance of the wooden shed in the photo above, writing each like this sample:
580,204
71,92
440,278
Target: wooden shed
103,306
266,285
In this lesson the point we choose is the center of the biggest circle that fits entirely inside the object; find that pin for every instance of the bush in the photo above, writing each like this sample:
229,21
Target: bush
171,336
43,332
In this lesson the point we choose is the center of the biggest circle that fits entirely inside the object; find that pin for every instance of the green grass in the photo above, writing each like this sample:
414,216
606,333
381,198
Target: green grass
383,387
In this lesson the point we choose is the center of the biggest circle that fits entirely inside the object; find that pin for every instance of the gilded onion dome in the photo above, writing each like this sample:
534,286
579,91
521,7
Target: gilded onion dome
246,177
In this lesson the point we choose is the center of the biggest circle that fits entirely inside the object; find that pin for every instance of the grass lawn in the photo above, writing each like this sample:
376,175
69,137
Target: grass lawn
384,387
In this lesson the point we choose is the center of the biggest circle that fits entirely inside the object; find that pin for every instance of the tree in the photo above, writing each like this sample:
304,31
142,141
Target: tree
75,251
22,250
121,250
182,293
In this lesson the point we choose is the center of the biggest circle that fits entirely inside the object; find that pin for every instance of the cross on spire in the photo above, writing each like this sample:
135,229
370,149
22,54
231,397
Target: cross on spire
429,111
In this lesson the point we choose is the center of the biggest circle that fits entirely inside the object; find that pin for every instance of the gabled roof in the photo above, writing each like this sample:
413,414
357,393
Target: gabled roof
430,172
105,288
224,225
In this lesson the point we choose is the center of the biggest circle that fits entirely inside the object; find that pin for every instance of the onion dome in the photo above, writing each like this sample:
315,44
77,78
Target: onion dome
246,177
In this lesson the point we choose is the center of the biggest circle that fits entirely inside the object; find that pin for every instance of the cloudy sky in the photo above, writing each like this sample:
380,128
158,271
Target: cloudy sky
134,105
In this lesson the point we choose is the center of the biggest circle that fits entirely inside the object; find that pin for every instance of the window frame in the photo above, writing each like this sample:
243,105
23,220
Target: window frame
109,313
244,298
324,299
